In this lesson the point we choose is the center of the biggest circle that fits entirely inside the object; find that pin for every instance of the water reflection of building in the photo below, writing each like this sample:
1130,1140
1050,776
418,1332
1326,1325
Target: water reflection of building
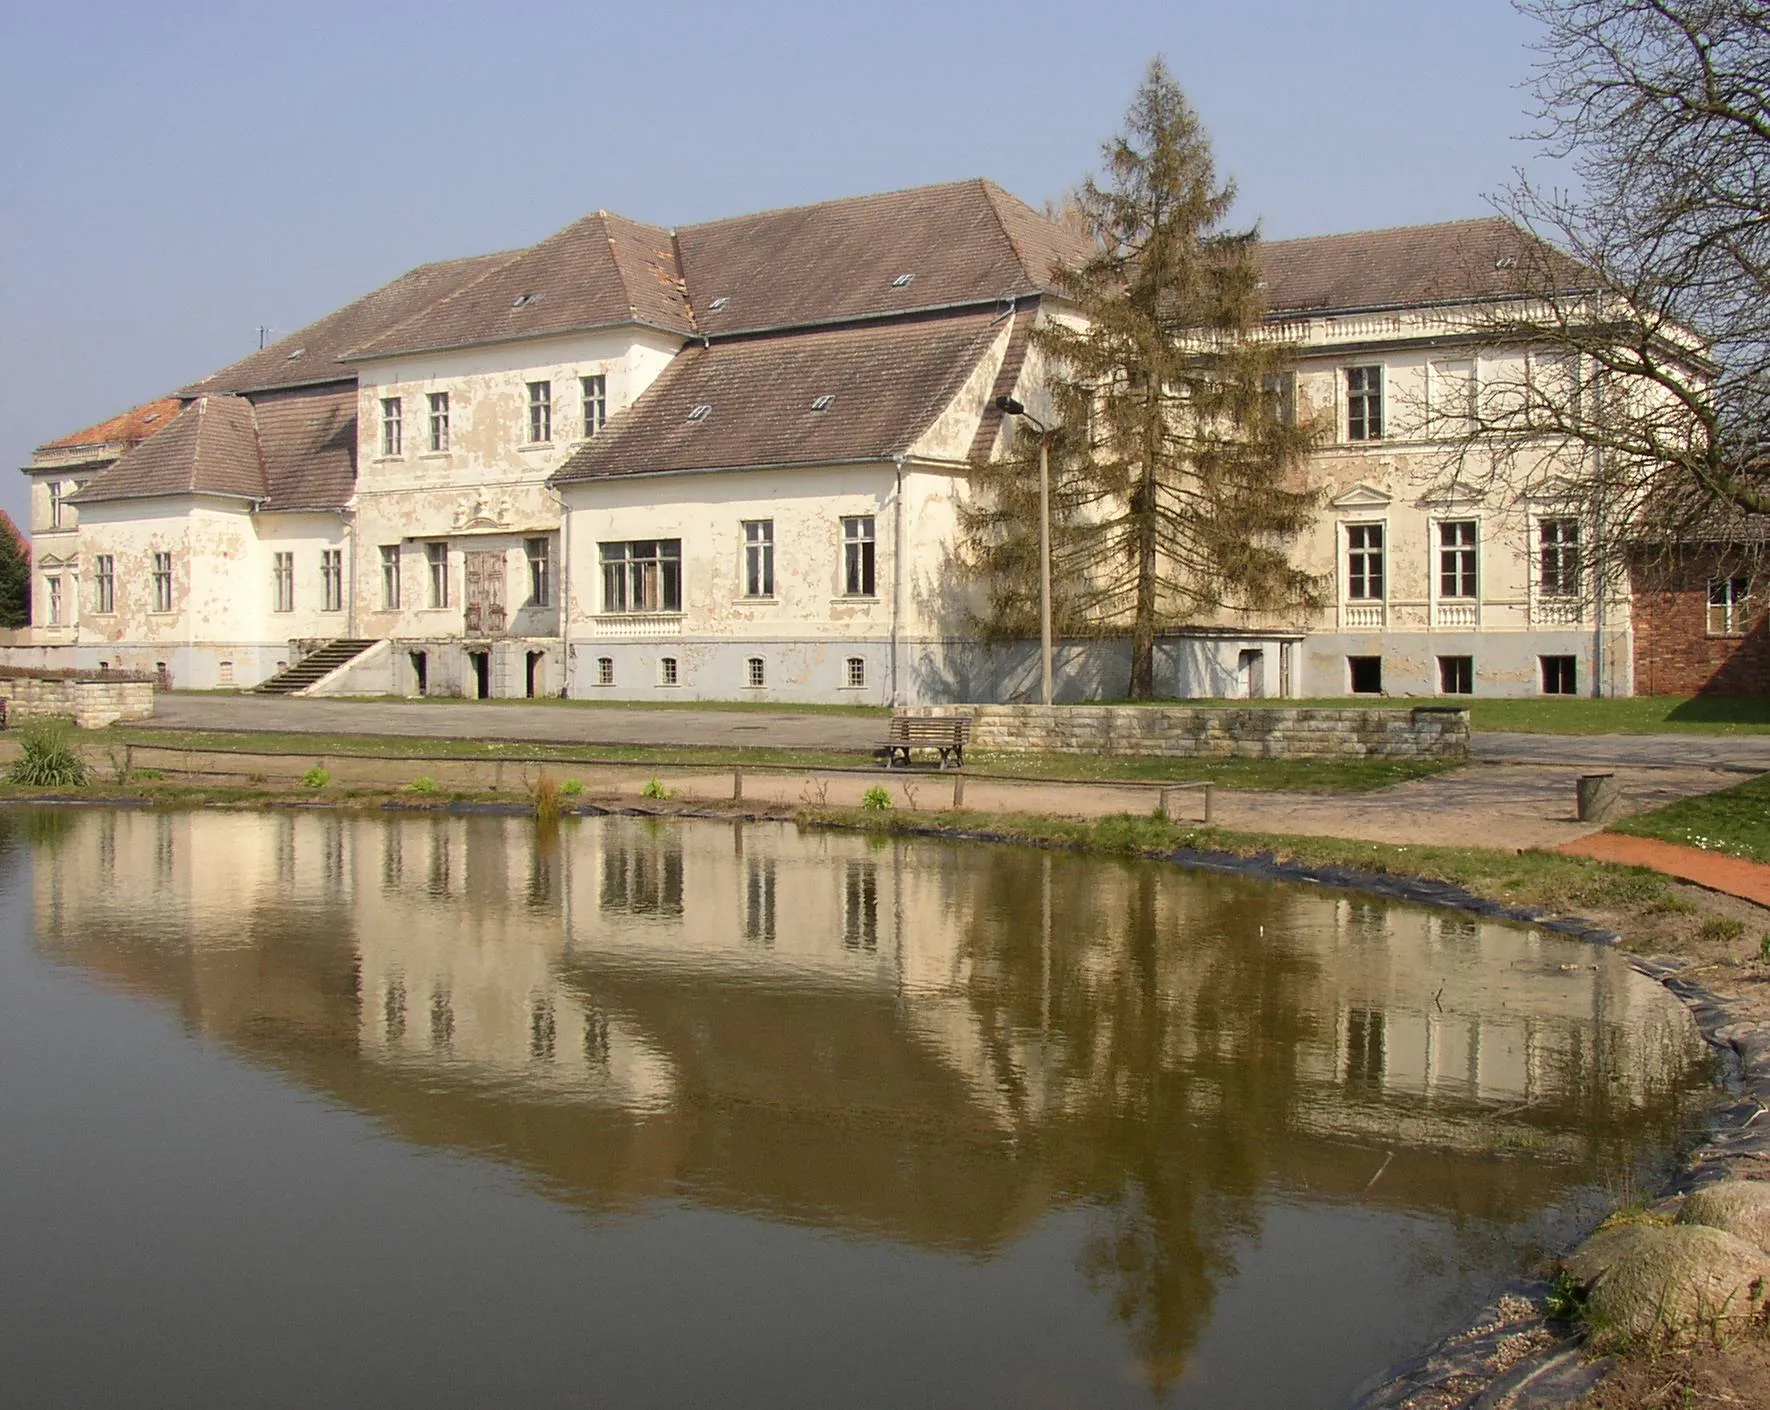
928,1041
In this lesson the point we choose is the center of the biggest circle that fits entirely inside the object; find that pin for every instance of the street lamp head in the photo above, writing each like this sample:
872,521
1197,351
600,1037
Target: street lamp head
1010,406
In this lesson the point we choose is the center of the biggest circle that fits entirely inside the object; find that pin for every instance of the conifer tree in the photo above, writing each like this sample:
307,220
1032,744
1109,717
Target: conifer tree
1173,446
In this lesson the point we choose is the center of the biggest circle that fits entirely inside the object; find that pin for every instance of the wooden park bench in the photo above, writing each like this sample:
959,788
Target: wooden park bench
947,733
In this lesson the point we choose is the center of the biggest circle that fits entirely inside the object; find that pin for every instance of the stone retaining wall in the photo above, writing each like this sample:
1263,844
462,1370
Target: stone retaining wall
1215,732
92,704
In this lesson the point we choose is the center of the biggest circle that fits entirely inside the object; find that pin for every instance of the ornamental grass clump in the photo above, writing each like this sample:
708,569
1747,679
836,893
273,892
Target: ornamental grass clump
546,798
48,757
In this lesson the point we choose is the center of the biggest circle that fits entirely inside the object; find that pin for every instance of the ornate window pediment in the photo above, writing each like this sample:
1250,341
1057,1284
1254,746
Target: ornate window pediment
1362,496
1457,494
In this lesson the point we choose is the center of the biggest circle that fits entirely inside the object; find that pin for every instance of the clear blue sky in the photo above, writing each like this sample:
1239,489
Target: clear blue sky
175,175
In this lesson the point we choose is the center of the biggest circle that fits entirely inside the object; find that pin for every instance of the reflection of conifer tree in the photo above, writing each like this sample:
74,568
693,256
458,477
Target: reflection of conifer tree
1176,1032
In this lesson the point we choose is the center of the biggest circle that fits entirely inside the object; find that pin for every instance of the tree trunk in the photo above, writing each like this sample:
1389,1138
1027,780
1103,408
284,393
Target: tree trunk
1143,507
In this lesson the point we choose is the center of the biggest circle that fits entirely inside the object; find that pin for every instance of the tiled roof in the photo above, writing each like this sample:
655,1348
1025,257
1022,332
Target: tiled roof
601,270
888,382
308,443
311,354
125,428
1410,265
211,447
963,243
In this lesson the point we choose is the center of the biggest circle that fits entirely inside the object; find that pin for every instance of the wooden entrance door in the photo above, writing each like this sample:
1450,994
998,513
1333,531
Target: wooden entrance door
485,593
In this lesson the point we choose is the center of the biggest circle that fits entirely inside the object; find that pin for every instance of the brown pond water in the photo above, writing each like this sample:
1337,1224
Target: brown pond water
308,1110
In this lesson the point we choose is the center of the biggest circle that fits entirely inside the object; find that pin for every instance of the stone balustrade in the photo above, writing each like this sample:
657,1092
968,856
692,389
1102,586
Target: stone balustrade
1215,732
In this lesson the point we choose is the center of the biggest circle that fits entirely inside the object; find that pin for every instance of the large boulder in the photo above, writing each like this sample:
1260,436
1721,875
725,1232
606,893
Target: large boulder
1671,1280
1740,1207
1587,1263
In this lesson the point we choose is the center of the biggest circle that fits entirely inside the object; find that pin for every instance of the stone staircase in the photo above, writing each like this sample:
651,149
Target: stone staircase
313,666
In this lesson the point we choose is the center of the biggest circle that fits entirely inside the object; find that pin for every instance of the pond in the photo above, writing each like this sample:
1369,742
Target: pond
306,1109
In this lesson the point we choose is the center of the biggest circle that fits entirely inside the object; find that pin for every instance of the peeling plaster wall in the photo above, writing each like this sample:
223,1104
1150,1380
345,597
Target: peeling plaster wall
305,536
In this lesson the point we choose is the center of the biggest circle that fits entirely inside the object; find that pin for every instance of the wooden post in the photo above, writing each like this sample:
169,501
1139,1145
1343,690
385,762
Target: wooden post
1208,789
1166,806
737,784
1599,797
958,788
498,777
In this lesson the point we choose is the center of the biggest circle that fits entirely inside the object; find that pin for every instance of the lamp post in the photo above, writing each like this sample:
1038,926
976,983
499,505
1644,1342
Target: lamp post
1009,406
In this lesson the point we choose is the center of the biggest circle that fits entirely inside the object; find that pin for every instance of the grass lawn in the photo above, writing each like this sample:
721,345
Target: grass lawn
1307,775
1735,821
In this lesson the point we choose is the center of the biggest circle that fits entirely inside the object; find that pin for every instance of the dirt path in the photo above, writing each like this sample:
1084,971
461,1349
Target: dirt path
1732,876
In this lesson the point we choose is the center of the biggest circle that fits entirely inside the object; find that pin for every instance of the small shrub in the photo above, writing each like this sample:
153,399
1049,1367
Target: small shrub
152,774
316,777
875,797
1565,1301
571,788
424,783
1718,929
654,789
1764,949
48,757
545,794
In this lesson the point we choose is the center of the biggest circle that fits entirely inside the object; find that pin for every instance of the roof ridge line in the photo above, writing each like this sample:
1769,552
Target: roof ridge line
1395,229
500,264
833,201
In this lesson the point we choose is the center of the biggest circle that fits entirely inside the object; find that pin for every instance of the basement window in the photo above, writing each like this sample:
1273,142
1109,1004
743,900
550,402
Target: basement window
856,672
1560,675
756,673
605,670
1456,675
1366,674
667,671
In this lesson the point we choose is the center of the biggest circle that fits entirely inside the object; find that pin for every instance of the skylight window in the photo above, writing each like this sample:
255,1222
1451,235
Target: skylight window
1506,262
701,412
719,303
823,403
297,353
902,281
524,300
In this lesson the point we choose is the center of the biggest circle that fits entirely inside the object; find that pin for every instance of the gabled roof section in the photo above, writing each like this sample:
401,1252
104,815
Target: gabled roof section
1411,265
127,428
886,384
310,355
307,440
968,242
211,447
598,272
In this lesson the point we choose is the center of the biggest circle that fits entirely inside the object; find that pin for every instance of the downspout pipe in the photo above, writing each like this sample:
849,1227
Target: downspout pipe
565,593
896,581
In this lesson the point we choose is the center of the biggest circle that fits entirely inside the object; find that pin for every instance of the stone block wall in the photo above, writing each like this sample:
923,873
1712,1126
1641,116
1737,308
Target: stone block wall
92,704
1208,732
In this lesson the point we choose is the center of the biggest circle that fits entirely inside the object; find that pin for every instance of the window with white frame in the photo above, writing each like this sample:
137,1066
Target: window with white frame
540,412
162,580
1364,403
1558,565
1364,562
758,558
1281,393
538,552
105,575
439,421
58,493
392,427
595,403
642,575
1729,606
53,594
755,672
605,670
390,576
1457,558
332,580
667,670
858,555
856,672
436,557
282,582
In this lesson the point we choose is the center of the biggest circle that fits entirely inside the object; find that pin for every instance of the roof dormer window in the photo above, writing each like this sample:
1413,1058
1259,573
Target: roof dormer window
719,303
902,281
823,403
701,412
524,300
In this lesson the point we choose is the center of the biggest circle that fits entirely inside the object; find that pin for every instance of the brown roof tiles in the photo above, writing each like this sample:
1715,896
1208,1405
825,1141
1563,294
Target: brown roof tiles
1408,266
598,271
308,443
310,355
968,242
887,383
211,447
127,428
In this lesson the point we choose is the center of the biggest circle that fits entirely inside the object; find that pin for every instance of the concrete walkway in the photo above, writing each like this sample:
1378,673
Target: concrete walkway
1749,753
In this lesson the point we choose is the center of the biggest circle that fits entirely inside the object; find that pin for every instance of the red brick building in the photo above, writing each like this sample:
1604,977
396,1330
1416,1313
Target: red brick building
1700,627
